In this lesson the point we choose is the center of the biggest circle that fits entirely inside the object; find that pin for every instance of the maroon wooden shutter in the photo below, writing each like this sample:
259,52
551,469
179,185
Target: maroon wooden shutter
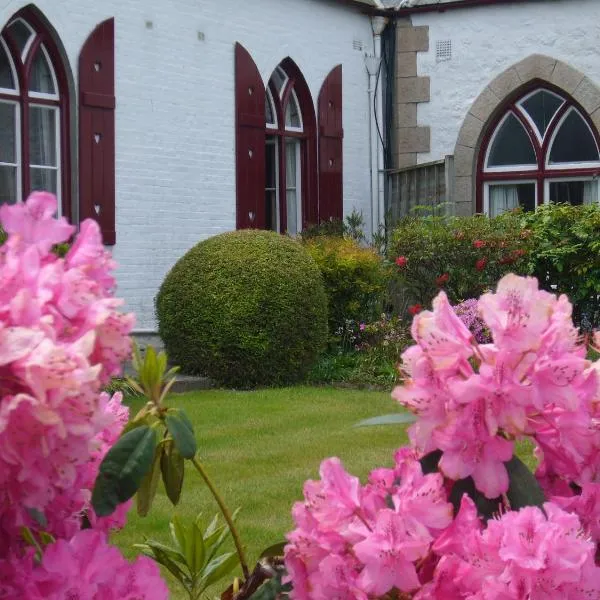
250,142
97,129
331,135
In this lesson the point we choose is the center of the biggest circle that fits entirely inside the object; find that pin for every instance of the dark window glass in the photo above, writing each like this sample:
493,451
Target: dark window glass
574,142
271,184
512,145
574,192
6,76
20,33
541,107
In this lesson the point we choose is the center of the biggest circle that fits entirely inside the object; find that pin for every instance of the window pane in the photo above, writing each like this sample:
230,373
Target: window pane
271,184
512,145
541,107
7,132
43,179
8,185
574,192
6,77
42,136
292,113
279,78
20,33
40,77
574,142
291,180
510,196
269,115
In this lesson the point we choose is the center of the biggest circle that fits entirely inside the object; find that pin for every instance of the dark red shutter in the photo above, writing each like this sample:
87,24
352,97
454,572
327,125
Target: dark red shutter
250,142
331,135
97,129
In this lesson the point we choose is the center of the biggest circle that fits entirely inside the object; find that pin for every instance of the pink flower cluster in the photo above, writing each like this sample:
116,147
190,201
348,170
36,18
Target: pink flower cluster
62,337
524,554
472,400
87,568
356,541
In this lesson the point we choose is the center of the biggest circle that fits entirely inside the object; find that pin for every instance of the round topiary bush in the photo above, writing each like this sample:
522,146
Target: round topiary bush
246,308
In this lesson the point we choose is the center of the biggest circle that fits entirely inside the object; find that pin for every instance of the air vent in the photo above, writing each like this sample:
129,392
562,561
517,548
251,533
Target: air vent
443,50
358,45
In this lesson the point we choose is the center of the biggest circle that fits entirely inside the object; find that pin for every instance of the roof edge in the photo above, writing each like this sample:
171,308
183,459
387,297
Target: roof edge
437,7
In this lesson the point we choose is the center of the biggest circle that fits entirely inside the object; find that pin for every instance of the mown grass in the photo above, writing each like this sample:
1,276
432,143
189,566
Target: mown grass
260,447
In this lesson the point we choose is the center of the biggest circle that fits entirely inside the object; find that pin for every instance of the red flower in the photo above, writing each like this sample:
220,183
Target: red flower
480,264
519,252
415,309
441,280
401,261
478,243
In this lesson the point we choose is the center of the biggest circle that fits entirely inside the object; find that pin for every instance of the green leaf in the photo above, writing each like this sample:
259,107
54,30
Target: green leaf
38,516
165,560
199,550
172,553
219,567
272,589
485,507
395,419
123,468
147,491
172,466
524,489
182,430
274,550
429,463
178,534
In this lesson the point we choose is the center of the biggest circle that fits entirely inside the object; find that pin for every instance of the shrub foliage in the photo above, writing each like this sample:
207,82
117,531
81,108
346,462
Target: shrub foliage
246,308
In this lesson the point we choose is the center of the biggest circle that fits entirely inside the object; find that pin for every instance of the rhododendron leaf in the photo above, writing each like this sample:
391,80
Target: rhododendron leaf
486,508
170,552
46,538
164,559
147,491
429,463
38,516
524,489
172,466
272,589
274,550
182,430
395,419
199,549
219,567
178,534
123,468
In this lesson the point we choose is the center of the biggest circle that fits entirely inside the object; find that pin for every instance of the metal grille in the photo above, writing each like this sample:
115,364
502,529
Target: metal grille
358,45
443,50
427,185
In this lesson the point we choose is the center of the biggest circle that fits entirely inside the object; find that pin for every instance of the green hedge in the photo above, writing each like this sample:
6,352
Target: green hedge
462,255
355,278
246,308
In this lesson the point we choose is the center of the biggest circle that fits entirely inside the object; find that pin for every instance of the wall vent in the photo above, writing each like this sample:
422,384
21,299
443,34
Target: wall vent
358,45
443,50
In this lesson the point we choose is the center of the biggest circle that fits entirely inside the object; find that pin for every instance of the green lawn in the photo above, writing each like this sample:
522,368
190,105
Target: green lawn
260,447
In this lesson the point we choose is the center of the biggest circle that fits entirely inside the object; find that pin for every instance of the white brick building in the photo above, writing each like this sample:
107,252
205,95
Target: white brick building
159,135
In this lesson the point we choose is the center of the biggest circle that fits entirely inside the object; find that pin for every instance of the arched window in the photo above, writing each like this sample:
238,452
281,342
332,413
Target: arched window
285,156
542,149
33,113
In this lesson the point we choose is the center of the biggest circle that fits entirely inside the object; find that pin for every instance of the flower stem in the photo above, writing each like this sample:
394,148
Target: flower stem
226,515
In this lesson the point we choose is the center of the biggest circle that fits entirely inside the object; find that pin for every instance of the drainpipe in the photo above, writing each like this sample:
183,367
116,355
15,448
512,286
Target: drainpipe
375,96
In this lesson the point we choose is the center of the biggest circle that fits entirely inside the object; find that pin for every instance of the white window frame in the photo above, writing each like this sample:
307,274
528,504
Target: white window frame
550,180
488,184
57,168
18,158
563,166
274,141
273,111
289,127
43,95
506,169
30,39
11,91
298,188
531,122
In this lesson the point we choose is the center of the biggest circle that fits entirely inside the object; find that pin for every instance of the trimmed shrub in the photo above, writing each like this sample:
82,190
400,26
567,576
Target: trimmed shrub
565,255
355,278
246,308
464,256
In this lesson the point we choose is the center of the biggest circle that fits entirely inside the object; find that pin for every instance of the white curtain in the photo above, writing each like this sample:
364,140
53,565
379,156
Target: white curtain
8,158
590,192
42,142
291,185
503,198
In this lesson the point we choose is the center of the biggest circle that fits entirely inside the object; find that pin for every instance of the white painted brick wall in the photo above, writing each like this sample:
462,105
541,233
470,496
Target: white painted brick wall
489,39
175,133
